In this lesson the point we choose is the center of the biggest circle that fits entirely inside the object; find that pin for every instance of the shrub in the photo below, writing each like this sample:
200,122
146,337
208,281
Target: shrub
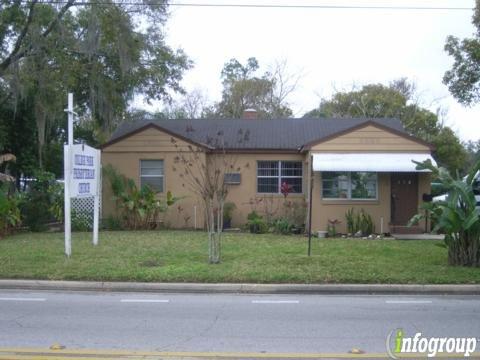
256,224
228,208
332,227
350,220
458,216
139,208
9,210
80,221
295,212
361,221
39,202
282,226
112,223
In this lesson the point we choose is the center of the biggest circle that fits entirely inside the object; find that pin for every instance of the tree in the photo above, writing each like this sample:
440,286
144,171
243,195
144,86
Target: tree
473,151
191,105
449,151
463,79
204,173
397,100
97,51
243,89
371,101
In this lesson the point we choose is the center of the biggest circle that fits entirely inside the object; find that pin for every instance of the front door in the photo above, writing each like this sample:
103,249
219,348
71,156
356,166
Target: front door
404,197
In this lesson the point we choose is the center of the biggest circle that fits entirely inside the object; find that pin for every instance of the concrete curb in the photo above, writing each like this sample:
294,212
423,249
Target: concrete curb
398,289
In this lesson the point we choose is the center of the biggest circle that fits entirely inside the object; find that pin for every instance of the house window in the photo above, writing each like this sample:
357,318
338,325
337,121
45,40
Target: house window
271,175
151,174
349,185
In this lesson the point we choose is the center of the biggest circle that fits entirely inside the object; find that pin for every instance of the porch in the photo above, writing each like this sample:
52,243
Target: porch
386,186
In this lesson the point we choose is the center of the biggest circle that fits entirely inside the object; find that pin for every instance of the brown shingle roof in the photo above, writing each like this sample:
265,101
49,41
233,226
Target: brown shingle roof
275,134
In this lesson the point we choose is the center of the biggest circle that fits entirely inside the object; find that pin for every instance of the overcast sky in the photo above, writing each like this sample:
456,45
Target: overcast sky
332,48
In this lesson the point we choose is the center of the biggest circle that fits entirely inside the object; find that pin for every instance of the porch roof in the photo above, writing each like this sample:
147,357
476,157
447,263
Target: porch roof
375,162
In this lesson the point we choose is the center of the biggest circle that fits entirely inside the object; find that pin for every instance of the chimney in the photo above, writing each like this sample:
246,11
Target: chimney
250,114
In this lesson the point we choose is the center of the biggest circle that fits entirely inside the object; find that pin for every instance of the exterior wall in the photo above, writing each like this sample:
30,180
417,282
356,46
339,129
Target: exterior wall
323,210
369,138
366,139
245,195
125,156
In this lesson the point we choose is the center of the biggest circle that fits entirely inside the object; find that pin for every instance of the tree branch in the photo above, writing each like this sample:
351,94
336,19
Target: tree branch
16,54
8,60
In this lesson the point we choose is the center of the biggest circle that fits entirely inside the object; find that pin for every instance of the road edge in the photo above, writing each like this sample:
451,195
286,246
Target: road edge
407,289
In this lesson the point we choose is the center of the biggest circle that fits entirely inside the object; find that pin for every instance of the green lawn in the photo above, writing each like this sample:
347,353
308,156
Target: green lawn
181,256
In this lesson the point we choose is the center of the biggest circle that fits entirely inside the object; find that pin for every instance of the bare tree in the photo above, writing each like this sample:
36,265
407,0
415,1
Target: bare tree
203,170
191,105
194,103
286,82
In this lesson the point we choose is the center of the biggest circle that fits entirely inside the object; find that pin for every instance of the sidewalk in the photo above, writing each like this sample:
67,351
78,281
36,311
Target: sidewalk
400,289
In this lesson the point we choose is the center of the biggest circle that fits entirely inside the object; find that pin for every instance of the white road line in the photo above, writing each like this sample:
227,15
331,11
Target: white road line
275,301
408,301
22,299
144,301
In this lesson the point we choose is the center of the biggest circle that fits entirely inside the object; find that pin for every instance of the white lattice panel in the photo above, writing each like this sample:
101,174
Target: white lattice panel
82,211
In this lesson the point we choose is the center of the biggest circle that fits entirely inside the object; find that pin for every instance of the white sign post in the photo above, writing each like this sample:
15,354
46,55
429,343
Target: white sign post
82,178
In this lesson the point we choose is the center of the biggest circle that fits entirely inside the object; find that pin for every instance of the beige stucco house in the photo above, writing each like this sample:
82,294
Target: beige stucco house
360,163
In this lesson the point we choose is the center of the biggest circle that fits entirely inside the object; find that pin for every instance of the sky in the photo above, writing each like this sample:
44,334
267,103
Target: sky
332,49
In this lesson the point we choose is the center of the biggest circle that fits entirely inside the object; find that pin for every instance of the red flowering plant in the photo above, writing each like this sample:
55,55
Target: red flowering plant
332,230
285,189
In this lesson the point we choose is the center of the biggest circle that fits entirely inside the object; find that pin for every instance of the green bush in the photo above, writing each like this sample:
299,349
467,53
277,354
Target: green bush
9,210
38,203
228,209
80,221
256,224
282,226
350,220
139,208
112,223
360,221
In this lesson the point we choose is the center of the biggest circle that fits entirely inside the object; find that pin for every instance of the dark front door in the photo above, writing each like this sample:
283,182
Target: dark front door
404,195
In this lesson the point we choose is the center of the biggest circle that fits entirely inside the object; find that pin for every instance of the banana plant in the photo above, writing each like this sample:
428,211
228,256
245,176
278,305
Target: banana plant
457,216
140,207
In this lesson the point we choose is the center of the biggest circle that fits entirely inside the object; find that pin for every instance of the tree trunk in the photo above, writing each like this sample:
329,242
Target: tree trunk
464,251
213,235
40,119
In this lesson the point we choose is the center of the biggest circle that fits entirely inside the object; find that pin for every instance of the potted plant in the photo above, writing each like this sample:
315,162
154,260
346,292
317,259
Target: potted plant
228,208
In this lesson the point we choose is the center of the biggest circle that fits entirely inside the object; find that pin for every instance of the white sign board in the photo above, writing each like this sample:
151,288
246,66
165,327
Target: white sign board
84,171
82,178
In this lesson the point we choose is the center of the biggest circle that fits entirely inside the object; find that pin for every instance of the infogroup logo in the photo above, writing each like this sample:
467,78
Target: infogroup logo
397,344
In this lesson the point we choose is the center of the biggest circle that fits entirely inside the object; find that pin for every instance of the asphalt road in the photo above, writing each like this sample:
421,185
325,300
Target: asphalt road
228,323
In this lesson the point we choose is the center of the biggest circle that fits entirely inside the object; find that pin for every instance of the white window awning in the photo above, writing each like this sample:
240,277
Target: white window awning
375,162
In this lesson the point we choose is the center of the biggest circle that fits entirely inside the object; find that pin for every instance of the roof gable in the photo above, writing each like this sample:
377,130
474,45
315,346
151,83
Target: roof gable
369,135
146,127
